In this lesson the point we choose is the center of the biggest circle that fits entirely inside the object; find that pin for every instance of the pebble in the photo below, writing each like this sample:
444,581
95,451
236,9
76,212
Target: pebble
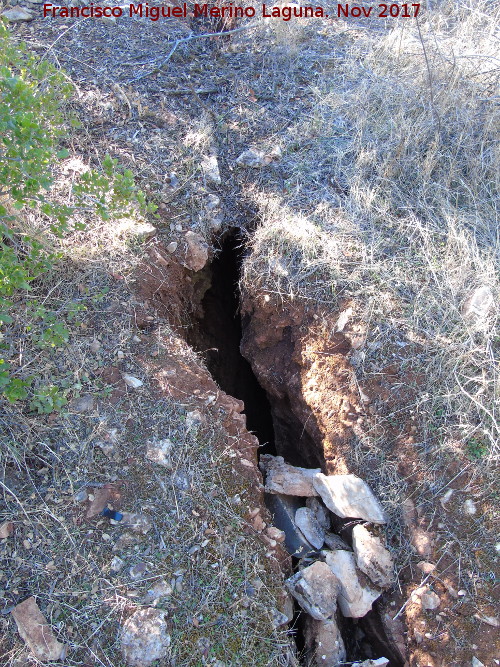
172,247
430,600
279,619
81,496
426,567
446,497
470,507
84,403
161,589
137,571
489,620
258,523
116,564
131,381
275,533
6,529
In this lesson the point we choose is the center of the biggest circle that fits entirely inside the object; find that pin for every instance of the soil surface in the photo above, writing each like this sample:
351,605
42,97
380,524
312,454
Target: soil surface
218,99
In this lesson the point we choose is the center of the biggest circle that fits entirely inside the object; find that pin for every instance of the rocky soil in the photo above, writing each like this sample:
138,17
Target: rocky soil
143,524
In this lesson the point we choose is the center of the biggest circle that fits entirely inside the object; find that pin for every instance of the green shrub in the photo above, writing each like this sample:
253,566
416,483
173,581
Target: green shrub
48,399
32,121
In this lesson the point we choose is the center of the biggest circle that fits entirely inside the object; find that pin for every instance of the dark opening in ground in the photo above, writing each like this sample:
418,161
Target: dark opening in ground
217,335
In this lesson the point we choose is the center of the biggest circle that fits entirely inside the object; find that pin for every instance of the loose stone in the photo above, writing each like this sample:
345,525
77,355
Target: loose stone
349,496
356,595
324,643
36,632
284,478
315,588
310,527
372,557
144,637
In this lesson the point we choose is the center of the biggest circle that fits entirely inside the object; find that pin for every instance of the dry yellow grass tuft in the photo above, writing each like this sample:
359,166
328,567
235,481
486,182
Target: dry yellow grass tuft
396,175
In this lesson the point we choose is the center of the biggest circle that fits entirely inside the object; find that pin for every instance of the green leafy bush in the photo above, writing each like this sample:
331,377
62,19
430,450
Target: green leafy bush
48,399
32,121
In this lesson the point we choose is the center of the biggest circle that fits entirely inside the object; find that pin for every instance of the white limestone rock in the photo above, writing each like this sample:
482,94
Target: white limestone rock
131,381
348,496
479,303
356,595
324,643
160,589
253,158
310,527
144,637
17,14
372,557
159,452
210,167
315,588
430,600
287,479
197,251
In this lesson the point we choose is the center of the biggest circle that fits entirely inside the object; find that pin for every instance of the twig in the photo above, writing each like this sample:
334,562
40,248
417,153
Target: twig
185,40
59,37
195,91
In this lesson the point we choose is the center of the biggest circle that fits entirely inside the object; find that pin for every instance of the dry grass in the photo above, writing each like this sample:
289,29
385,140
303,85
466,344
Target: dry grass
396,177
223,587
387,195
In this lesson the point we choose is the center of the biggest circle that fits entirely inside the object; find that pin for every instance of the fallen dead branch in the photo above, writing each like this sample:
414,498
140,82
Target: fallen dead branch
184,40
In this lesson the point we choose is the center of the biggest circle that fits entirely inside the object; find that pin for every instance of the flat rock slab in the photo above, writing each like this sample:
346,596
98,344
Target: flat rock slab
283,509
18,13
324,643
356,596
36,632
289,480
349,497
310,527
372,557
144,637
315,588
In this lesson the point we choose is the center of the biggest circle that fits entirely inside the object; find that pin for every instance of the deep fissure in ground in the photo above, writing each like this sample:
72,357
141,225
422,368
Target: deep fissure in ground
217,334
